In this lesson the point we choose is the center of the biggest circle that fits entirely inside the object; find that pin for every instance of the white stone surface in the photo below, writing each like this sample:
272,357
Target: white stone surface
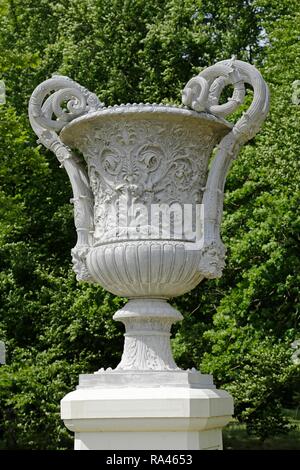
147,417
109,378
2,352
147,338
157,440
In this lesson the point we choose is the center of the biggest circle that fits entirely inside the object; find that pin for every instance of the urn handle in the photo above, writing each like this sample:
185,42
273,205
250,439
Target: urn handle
202,93
66,100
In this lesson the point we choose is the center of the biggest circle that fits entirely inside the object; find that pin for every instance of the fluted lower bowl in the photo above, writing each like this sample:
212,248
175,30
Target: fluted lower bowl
145,268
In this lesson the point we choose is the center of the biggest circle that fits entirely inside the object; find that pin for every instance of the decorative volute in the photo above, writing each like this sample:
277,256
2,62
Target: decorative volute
202,93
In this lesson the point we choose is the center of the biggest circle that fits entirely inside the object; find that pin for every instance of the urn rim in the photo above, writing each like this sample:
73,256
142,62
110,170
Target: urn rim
148,110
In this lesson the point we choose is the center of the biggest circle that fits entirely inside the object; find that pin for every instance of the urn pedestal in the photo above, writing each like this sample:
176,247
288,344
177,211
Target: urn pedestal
147,208
147,410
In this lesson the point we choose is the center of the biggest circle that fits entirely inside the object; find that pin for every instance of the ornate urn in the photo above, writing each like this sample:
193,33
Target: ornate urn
147,210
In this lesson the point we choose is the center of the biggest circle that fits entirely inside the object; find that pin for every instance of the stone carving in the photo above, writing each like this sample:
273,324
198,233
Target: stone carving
79,101
147,337
141,163
202,93
147,268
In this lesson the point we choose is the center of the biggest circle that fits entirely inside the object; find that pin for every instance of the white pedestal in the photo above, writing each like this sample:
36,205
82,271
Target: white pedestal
173,412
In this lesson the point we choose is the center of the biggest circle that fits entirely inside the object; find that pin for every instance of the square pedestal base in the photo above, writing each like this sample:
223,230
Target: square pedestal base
176,416
156,440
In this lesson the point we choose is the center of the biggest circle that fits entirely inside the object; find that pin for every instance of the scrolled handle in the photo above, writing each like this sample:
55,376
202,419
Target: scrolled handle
42,107
48,116
202,93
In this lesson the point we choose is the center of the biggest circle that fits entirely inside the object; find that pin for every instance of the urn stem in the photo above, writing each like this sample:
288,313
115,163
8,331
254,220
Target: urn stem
147,339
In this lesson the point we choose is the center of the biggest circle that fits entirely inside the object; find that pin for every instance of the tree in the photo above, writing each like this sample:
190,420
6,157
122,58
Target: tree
54,328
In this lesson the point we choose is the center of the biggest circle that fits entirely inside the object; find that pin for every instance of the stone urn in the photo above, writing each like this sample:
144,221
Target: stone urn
148,184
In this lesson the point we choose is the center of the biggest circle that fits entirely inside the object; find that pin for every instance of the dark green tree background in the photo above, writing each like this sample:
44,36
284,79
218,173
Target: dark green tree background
240,327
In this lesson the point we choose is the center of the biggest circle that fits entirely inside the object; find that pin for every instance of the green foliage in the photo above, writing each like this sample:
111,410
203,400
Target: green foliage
256,303
236,437
240,327
255,371
122,50
29,397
